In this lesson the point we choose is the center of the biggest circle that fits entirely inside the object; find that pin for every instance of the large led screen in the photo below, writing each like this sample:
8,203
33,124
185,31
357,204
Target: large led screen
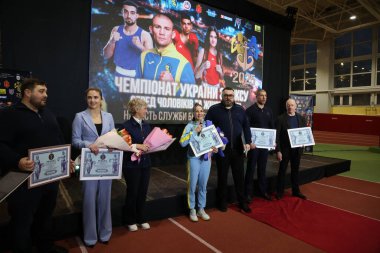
172,54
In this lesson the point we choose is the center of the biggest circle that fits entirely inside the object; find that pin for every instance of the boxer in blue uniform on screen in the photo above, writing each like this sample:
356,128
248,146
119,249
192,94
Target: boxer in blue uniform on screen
127,42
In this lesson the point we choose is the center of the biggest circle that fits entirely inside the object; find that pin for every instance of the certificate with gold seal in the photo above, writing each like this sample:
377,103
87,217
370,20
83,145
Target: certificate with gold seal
104,165
50,164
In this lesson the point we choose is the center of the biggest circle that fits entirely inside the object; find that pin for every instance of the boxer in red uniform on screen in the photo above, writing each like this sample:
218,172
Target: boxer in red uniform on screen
187,42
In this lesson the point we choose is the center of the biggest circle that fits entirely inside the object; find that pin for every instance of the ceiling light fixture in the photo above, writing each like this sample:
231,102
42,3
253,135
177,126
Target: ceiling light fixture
353,17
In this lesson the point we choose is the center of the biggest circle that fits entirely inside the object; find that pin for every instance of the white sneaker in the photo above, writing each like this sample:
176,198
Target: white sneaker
144,226
193,215
132,228
201,213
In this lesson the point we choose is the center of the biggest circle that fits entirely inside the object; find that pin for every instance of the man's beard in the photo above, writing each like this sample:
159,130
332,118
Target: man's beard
227,103
130,23
37,104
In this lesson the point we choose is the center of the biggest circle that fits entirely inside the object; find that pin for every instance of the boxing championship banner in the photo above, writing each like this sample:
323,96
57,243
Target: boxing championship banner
172,54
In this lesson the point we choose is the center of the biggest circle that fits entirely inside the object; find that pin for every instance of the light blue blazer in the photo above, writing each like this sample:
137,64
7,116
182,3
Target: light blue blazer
84,130
97,221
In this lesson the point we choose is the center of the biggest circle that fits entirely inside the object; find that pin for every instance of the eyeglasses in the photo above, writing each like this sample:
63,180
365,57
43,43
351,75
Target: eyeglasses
228,95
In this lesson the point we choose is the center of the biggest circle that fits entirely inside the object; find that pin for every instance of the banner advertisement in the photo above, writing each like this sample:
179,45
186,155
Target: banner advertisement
10,85
172,54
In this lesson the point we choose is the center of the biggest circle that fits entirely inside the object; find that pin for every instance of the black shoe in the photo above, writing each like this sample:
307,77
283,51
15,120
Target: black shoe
245,208
299,195
249,199
89,245
222,208
279,196
267,197
104,242
58,249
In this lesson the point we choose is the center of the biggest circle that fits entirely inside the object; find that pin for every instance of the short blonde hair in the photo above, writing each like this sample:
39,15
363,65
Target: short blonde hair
135,104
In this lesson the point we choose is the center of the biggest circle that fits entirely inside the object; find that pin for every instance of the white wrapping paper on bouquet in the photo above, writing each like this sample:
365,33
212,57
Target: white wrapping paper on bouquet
113,140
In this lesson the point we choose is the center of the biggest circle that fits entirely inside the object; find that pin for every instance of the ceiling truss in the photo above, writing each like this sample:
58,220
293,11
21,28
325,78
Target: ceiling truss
316,20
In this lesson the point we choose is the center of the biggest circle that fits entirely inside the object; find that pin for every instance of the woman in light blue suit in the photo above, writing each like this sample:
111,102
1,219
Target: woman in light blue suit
87,127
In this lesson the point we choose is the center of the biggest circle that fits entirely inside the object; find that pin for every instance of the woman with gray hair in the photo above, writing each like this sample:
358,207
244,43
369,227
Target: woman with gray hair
136,173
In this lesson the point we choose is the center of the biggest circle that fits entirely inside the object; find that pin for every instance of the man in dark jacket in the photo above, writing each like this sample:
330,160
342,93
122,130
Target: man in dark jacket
25,126
259,116
231,119
285,153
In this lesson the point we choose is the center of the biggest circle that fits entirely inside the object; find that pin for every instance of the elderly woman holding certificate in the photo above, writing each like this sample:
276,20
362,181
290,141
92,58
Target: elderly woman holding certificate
136,171
87,127
198,168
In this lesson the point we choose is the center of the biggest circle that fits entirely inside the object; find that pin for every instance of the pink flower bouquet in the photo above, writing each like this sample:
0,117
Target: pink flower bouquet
156,138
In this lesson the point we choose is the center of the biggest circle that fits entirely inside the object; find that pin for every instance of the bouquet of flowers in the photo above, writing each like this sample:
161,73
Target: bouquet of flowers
126,136
167,132
158,140
158,137
113,139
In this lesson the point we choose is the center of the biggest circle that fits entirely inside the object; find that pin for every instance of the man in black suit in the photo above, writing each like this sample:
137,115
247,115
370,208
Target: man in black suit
285,153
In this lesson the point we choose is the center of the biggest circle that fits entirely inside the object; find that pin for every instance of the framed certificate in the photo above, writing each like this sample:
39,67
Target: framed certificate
104,165
208,138
50,164
300,137
263,137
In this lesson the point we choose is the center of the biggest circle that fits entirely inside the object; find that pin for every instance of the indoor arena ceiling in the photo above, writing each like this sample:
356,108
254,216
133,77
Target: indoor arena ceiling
319,19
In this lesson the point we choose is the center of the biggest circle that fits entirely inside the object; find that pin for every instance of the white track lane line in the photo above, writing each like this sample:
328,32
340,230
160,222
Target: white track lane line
195,236
171,175
344,210
81,245
359,179
66,197
343,189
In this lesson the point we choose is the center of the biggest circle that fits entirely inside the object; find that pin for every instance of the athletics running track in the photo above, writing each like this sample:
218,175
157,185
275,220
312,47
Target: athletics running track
341,215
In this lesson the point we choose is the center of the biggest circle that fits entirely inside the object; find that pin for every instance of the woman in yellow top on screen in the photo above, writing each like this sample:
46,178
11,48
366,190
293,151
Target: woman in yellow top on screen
210,60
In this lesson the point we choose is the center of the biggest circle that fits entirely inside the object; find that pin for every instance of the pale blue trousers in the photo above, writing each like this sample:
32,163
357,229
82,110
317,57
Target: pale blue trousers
198,171
97,221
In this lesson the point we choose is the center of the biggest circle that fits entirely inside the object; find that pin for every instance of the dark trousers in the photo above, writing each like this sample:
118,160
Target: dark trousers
235,160
257,156
294,156
31,211
137,180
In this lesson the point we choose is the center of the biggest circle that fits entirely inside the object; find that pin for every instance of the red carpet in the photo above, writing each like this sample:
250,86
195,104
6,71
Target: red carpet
324,227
